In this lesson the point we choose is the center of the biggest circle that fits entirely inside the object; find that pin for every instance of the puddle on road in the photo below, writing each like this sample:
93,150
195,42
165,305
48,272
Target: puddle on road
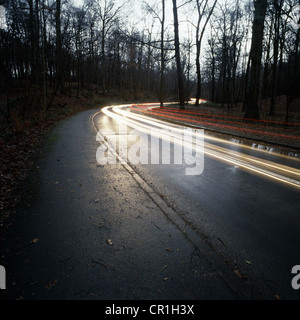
255,145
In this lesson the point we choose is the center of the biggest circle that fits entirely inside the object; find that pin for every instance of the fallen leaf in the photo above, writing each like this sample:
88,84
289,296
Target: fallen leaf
237,272
50,284
96,200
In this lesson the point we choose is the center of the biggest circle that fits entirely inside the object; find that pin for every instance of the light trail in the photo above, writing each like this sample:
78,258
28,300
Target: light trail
200,114
247,130
269,169
163,124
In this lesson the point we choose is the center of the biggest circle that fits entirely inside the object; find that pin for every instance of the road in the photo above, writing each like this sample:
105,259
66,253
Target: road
215,220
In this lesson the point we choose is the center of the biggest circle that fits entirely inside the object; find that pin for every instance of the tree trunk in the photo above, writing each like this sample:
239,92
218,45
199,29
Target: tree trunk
252,96
59,61
162,57
178,59
199,37
278,13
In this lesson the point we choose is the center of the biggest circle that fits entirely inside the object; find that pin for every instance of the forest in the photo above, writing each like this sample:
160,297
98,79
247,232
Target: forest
237,54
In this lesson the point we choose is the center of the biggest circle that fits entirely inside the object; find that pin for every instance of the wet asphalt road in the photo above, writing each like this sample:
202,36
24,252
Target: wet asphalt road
90,231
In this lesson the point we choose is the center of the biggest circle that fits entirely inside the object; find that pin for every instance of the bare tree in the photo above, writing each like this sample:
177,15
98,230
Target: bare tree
202,9
161,17
59,55
162,54
181,94
276,17
108,15
252,110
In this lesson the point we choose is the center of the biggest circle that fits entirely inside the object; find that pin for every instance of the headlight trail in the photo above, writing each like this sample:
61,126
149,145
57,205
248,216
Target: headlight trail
202,118
163,124
272,170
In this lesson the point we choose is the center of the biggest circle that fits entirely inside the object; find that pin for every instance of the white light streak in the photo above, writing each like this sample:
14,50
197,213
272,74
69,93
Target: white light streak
272,170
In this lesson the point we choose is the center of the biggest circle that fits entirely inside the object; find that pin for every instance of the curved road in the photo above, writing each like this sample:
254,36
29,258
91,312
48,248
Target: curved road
96,225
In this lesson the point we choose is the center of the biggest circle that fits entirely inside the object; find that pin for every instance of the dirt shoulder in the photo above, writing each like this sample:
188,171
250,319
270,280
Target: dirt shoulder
22,142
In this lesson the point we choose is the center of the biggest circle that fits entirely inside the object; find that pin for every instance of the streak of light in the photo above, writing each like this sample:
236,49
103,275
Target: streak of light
174,117
163,124
253,164
190,112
